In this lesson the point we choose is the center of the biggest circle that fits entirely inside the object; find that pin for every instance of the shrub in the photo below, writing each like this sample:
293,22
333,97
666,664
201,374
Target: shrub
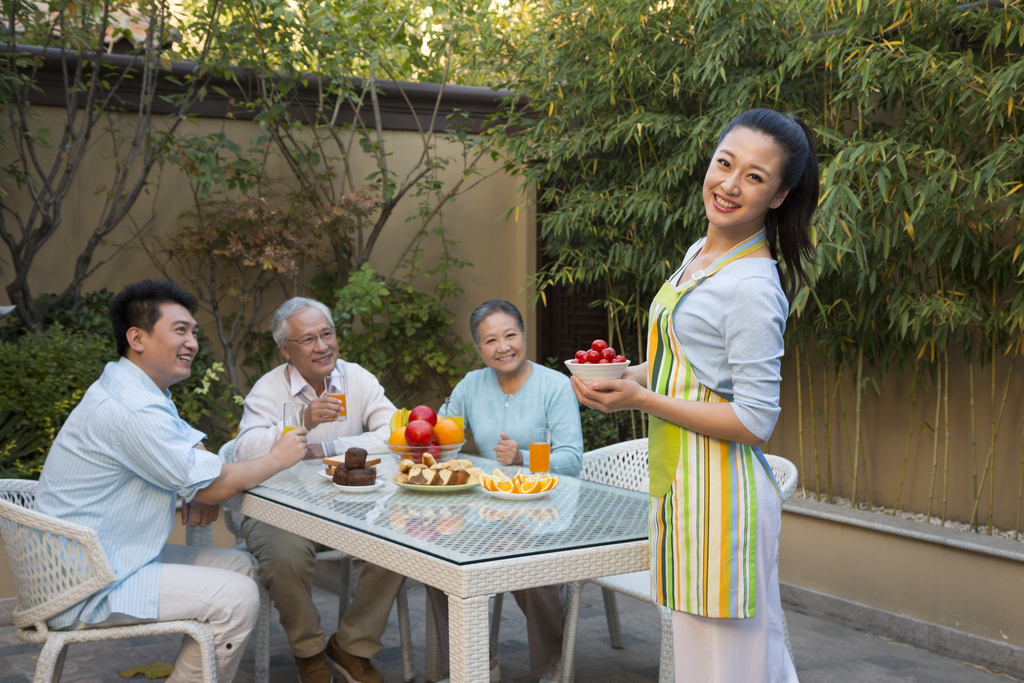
43,377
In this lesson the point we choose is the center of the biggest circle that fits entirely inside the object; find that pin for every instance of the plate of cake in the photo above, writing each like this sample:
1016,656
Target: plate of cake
352,472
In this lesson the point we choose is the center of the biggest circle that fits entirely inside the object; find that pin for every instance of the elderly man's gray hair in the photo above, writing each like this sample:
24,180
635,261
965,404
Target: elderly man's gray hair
279,327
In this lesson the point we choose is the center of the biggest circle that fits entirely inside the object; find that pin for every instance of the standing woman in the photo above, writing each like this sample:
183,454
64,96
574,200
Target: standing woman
711,389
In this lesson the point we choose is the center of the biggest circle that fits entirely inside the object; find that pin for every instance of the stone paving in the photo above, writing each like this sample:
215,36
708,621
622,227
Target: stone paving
824,652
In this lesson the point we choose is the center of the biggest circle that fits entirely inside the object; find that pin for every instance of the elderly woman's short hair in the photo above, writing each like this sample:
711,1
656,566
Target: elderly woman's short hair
279,326
489,308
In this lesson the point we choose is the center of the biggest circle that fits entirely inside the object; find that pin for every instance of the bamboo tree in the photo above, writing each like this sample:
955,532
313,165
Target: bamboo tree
991,453
814,430
1020,489
945,453
906,449
800,418
935,442
856,435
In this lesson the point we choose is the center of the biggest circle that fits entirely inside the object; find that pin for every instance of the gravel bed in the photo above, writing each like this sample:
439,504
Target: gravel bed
916,516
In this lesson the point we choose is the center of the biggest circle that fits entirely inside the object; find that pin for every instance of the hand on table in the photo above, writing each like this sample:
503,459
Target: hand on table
314,451
609,395
322,410
507,451
199,514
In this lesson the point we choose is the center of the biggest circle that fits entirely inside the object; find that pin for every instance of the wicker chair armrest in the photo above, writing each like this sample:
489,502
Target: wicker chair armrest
785,474
621,464
56,564
19,491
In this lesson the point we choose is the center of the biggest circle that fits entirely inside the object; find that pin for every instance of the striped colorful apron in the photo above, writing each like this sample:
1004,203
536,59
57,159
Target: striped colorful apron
703,515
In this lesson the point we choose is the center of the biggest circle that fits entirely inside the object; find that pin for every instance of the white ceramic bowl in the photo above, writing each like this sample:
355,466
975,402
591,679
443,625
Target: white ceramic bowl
588,372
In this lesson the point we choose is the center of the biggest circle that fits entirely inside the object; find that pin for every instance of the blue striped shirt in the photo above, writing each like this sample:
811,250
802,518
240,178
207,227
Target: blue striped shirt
117,466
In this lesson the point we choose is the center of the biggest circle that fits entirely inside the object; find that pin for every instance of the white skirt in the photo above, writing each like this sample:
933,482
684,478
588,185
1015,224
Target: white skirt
742,650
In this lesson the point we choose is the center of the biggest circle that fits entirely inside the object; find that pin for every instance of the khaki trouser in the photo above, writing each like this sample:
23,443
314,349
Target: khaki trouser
286,565
544,608
212,585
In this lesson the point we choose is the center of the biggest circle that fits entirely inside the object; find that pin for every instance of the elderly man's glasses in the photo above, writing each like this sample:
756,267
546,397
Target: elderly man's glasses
310,339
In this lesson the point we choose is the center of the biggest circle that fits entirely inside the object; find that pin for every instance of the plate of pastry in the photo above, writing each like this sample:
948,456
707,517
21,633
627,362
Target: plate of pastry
430,476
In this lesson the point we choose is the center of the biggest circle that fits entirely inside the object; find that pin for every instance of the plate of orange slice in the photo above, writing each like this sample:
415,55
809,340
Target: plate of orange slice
518,487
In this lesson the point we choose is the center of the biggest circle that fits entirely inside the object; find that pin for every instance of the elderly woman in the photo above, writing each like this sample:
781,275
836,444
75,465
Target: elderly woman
503,401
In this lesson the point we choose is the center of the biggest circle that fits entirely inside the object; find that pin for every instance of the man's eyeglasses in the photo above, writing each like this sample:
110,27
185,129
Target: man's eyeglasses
310,339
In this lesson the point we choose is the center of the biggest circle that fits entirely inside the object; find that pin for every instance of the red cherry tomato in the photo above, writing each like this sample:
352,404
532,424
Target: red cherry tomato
573,361
603,361
581,356
608,353
593,356
599,345
619,359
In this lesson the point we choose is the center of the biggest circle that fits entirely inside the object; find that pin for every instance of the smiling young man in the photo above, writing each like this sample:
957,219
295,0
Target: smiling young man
118,465
304,333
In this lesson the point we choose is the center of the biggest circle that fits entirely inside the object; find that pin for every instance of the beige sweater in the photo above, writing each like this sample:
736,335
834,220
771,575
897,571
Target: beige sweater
369,412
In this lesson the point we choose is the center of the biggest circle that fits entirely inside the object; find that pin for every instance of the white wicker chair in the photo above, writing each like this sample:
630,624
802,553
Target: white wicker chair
57,564
625,465
203,536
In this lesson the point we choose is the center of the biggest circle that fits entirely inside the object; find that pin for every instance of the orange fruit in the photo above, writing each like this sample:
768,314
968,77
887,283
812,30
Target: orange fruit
487,483
498,474
448,432
551,482
535,486
399,419
397,437
504,485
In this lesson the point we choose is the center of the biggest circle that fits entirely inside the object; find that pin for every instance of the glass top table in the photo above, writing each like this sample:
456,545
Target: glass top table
467,526
467,544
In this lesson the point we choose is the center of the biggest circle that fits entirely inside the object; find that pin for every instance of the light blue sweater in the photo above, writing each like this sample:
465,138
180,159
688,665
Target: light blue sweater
731,328
545,400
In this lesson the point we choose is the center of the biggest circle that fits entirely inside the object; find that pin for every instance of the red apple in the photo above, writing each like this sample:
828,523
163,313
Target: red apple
419,433
423,413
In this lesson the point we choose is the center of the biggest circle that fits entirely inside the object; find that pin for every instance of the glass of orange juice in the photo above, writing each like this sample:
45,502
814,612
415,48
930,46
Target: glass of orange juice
294,413
540,450
453,410
337,390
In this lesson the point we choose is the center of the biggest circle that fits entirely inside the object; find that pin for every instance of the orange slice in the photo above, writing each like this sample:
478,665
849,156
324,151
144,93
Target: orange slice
535,486
498,474
504,485
551,482
487,483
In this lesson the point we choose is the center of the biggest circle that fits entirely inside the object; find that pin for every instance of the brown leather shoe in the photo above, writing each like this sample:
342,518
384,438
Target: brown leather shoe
353,669
313,669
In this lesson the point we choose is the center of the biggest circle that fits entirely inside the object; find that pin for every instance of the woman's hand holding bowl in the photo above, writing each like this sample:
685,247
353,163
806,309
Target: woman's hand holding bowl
609,395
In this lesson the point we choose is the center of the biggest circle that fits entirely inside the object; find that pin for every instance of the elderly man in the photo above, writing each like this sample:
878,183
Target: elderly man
303,330
117,466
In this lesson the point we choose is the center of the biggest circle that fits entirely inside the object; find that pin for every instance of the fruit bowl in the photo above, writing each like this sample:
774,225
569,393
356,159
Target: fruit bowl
415,453
588,372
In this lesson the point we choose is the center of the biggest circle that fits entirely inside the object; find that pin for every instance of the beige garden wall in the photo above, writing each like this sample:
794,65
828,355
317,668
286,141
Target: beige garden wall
501,249
886,420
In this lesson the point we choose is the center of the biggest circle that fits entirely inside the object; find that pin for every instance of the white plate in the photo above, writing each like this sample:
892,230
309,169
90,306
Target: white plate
377,486
517,496
328,477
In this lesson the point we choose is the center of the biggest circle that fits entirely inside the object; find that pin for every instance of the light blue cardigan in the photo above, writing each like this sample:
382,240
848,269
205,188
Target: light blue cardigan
545,400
